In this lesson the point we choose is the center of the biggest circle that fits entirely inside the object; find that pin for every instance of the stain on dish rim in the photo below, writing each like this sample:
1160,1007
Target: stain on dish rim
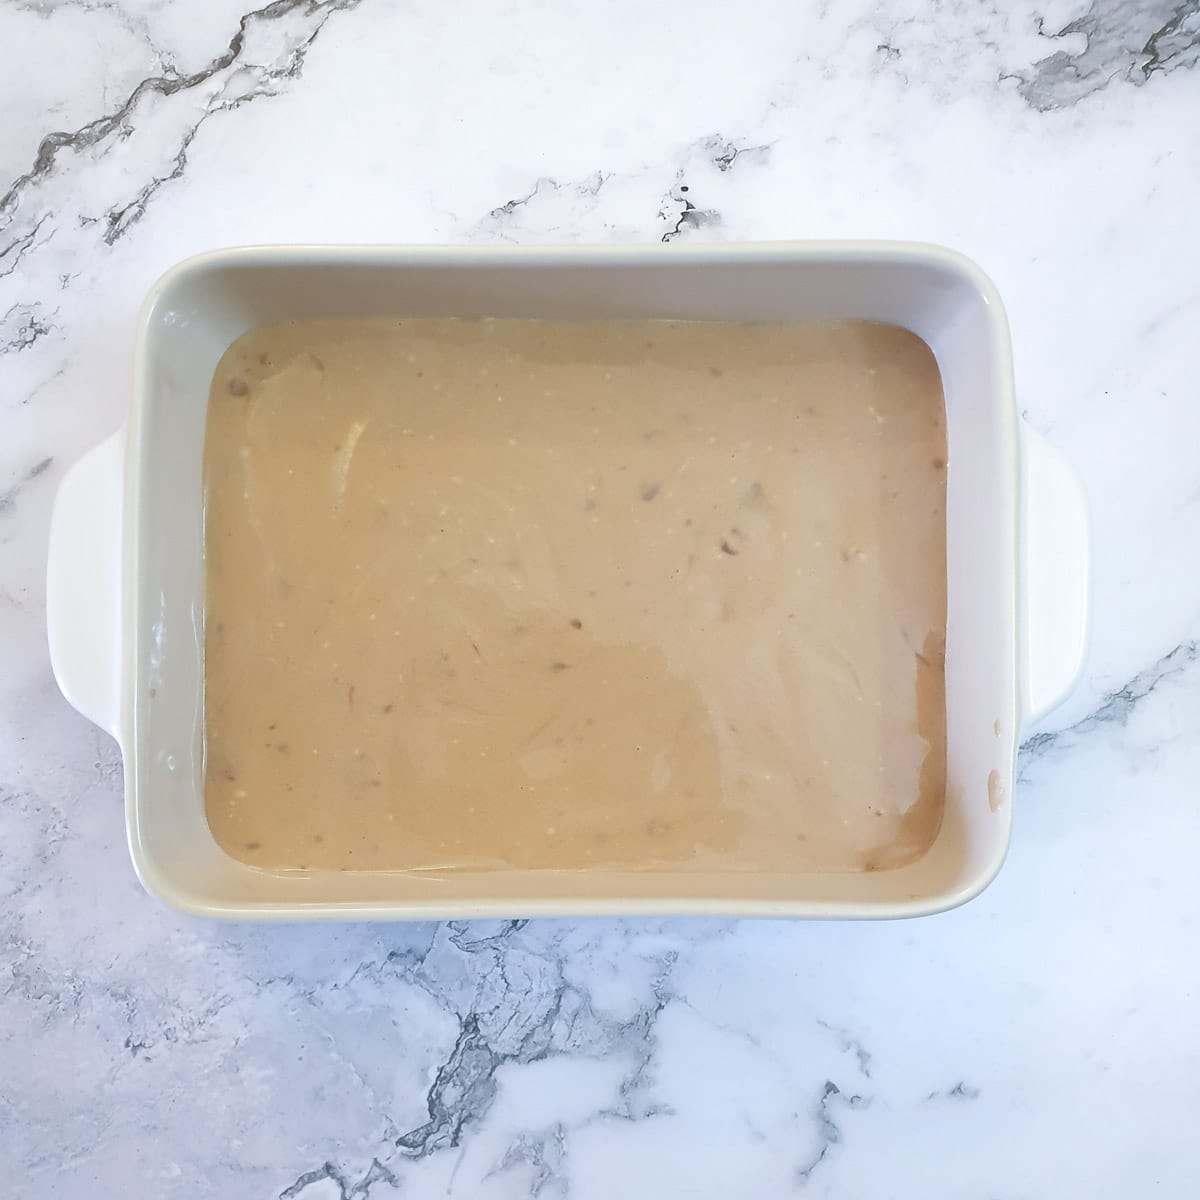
996,793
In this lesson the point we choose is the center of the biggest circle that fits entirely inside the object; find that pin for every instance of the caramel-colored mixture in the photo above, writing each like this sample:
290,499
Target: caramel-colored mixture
537,594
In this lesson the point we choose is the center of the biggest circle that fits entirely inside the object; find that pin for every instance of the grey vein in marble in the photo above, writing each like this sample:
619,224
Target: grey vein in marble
101,128
545,189
15,251
960,1091
690,217
21,326
722,153
132,22
852,1045
545,1156
251,66
8,497
552,207
513,1005
1123,40
1117,706
829,1130
358,1189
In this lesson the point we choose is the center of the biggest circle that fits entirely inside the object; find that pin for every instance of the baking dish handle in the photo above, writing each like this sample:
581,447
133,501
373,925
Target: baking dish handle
1056,576
83,584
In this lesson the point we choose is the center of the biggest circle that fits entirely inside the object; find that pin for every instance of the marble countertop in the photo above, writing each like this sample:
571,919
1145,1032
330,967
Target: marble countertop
1043,1041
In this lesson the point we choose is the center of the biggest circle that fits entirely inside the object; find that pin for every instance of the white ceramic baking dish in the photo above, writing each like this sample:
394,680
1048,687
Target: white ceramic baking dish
126,563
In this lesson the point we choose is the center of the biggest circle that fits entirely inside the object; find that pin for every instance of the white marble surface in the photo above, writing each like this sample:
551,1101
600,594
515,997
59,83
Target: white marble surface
1044,1041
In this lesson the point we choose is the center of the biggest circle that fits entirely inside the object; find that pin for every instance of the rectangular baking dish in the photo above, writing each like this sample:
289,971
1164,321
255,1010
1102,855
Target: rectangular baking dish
126,564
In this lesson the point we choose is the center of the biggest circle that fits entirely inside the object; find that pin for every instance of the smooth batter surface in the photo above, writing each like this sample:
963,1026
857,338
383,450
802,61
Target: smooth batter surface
487,593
